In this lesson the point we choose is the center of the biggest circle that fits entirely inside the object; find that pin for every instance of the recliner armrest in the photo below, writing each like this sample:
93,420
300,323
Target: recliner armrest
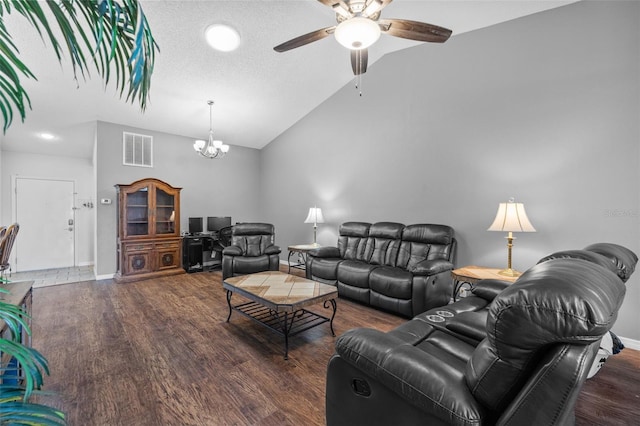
272,250
327,252
431,267
232,251
488,289
422,378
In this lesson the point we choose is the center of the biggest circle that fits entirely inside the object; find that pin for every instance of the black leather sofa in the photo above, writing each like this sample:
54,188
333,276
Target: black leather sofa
507,355
401,269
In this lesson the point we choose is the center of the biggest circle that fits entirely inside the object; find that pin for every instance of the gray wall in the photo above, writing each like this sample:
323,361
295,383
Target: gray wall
226,187
544,109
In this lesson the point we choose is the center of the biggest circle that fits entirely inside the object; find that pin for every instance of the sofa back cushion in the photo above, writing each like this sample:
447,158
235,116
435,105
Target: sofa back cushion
383,243
424,242
253,238
352,240
564,301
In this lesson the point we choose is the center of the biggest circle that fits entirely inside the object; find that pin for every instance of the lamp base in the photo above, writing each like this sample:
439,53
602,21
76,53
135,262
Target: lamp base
510,272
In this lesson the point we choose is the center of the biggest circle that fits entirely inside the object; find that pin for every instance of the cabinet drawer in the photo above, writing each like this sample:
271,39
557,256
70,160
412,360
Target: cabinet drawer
135,247
172,245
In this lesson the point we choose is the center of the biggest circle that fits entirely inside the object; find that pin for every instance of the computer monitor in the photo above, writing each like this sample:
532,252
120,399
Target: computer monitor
195,225
215,224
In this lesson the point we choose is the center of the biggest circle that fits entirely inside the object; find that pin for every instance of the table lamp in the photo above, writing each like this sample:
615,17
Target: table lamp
511,217
315,217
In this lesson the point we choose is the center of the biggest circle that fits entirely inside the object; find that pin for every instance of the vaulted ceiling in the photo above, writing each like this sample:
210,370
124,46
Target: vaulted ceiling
258,92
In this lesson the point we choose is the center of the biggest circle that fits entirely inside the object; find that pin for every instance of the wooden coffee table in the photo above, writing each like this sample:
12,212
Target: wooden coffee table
277,301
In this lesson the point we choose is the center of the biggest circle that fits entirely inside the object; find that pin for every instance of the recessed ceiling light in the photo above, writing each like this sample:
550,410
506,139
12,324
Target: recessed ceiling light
47,136
222,37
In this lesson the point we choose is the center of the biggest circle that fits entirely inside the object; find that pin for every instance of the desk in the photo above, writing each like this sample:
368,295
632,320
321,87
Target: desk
301,250
471,274
201,253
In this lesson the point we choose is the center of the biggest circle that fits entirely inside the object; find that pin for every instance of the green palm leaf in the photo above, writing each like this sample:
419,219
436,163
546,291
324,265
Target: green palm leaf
118,36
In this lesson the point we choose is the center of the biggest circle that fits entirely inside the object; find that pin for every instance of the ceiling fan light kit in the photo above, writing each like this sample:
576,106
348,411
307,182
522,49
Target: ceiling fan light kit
357,33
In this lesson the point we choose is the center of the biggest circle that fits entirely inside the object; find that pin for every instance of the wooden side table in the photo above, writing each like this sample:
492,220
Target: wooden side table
301,250
471,274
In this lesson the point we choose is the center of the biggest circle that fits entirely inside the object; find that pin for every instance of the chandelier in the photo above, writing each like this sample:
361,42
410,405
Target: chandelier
211,148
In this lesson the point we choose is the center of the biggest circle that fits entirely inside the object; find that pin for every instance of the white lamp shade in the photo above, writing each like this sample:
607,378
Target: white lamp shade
511,217
357,33
314,216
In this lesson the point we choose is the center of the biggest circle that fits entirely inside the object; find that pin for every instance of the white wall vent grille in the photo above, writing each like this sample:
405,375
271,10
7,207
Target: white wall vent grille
137,150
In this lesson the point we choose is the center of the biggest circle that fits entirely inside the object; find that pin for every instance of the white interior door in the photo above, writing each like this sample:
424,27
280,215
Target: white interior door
44,210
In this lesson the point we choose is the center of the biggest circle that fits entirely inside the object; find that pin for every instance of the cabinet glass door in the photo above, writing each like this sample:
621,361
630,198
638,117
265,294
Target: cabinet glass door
137,212
165,212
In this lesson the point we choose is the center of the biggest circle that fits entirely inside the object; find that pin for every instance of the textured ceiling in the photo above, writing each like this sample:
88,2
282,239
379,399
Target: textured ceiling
258,92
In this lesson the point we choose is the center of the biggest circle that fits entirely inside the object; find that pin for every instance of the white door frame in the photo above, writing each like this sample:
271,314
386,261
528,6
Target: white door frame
14,210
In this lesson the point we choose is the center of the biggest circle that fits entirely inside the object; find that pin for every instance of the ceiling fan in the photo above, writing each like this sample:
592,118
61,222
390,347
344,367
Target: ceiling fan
359,26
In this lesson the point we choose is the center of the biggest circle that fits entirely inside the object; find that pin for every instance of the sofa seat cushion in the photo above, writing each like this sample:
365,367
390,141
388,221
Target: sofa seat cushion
355,273
392,282
327,269
250,265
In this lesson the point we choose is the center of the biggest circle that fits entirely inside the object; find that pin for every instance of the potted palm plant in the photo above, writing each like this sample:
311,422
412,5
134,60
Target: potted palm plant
115,37
22,370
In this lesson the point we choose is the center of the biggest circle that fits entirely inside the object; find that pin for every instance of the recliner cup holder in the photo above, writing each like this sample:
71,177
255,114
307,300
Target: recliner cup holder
435,318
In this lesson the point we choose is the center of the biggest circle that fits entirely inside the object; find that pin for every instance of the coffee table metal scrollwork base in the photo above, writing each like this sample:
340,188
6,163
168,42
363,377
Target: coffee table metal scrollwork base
277,300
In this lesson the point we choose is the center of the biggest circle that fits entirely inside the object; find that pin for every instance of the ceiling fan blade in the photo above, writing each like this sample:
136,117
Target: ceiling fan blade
414,30
359,60
304,39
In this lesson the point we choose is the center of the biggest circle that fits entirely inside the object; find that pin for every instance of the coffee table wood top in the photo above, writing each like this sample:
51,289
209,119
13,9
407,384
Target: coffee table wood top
280,291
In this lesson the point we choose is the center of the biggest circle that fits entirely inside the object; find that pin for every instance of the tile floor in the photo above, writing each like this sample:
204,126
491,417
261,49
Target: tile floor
49,277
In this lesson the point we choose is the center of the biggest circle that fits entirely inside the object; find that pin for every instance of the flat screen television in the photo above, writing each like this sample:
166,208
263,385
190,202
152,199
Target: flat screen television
195,225
215,224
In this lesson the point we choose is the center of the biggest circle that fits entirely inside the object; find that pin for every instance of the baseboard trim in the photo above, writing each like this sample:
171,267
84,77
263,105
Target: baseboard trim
630,343
85,263
104,277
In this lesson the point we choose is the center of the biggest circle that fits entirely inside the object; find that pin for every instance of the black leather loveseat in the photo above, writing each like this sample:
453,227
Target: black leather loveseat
387,265
507,355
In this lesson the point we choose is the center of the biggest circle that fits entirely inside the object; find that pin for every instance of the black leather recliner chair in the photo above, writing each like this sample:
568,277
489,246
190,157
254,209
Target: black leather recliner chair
252,250
526,366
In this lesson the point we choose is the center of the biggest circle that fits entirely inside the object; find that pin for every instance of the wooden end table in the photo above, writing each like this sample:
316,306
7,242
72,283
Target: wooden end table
470,275
277,301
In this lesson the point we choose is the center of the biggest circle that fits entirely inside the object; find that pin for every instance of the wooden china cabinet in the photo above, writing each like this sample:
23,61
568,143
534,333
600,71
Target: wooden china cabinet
148,230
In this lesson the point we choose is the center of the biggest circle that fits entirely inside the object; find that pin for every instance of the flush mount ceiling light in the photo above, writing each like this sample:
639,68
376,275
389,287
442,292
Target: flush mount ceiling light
46,136
222,37
210,148
357,33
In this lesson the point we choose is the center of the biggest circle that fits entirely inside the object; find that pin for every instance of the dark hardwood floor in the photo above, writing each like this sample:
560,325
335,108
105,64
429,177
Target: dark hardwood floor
159,352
